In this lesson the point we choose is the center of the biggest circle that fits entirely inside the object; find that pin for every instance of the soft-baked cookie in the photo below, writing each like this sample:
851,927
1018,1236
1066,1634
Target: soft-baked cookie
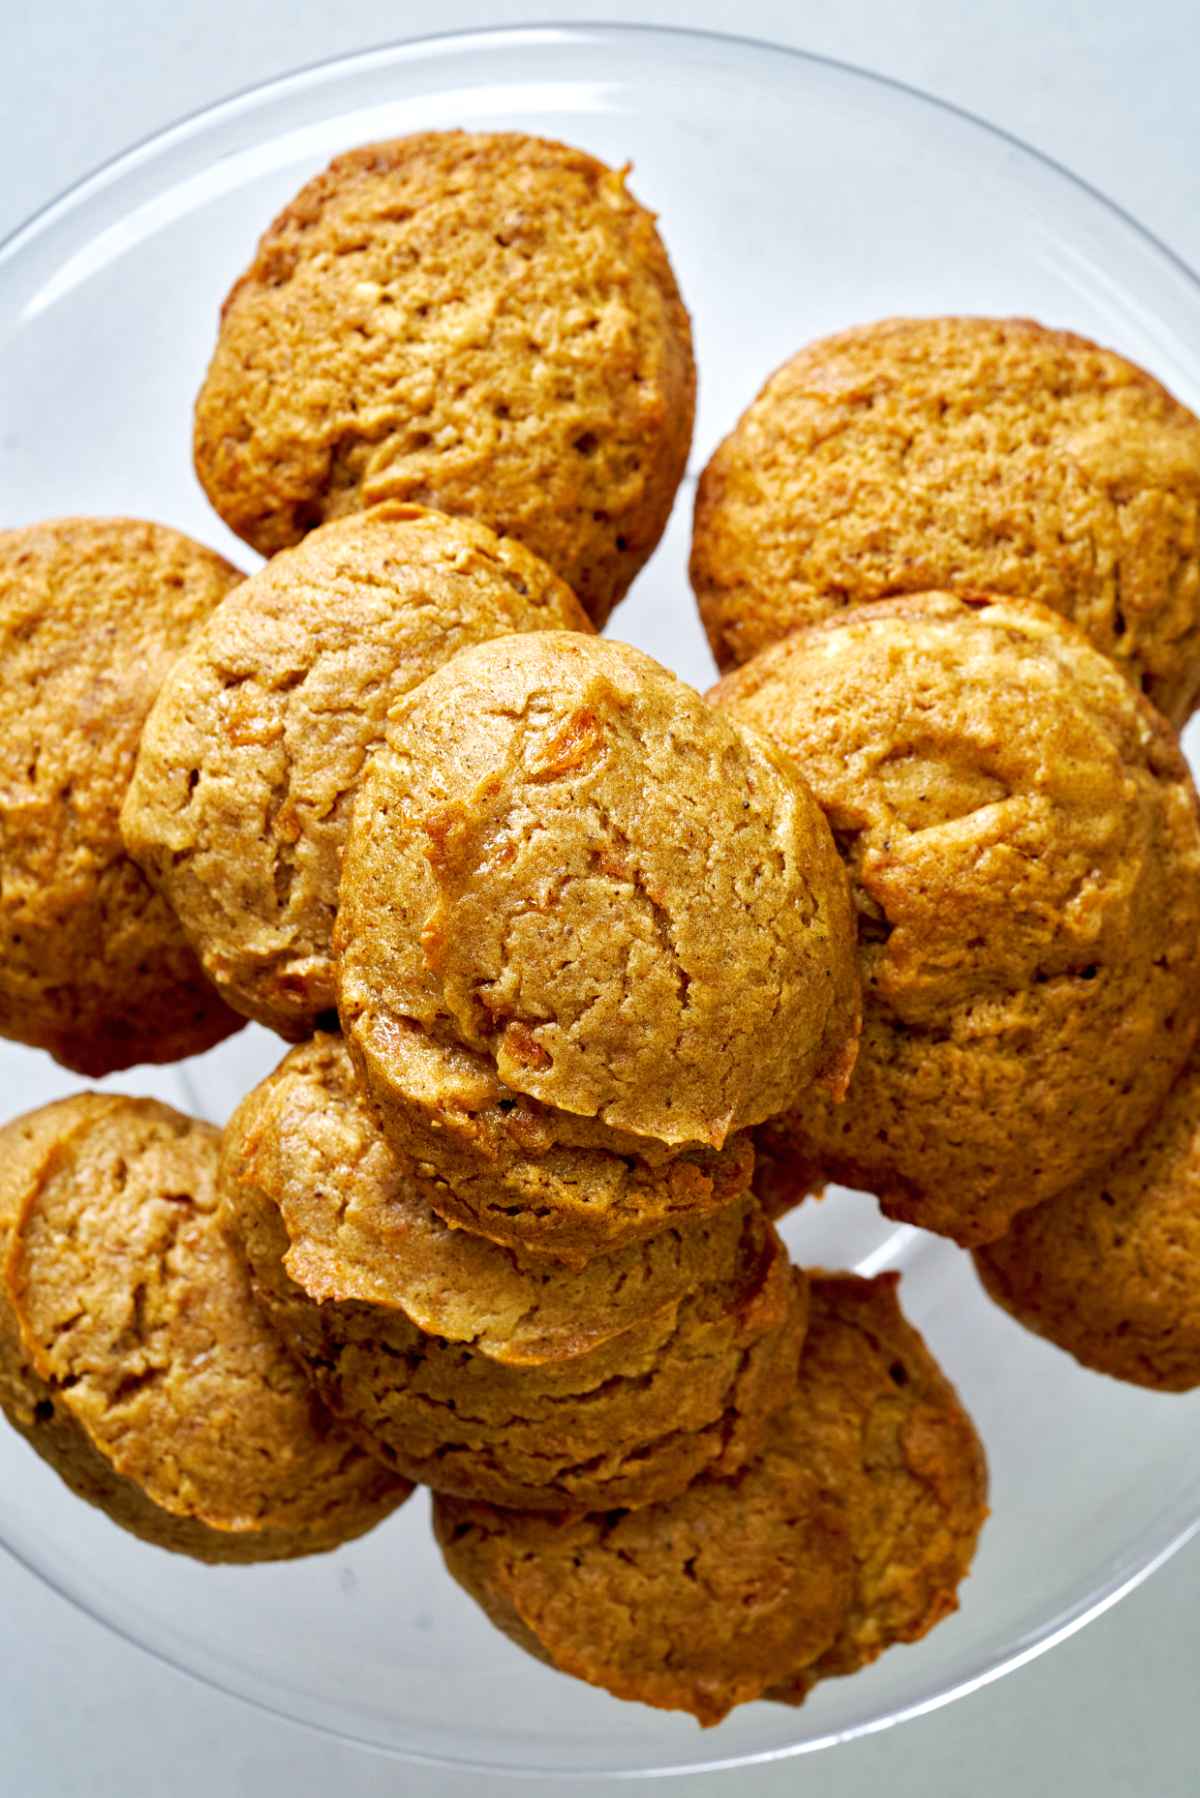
133,1355
93,964
240,799
542,1182
961,453
693,1605
1110,1270
631,1421
851,1530
360,1226
568,865
30,1405
485,323
1021,832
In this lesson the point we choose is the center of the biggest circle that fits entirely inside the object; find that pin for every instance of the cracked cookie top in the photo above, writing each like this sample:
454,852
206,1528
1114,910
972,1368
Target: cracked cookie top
361,1224
251,756
1023,842
137,1314
486,323
93,964
567,864
968,453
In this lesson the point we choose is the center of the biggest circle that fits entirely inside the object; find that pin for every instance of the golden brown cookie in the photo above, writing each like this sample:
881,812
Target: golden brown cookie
693,1605
1021,832
1110,1270
133,1356
250,758
960,453
851,1530
30,1405
93,964
360,1225
626,1423
483,323
542,1182
883,1430
568,865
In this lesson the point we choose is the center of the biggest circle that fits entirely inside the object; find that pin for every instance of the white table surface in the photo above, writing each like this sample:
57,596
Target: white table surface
1109,87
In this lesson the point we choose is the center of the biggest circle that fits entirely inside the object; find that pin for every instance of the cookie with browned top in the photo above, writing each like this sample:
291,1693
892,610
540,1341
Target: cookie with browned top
960,453
133,1356
93,964
1023,840
851,1530
632,1420
250,758
360,1225
486,323
29,1402
569,868
1110,1269
695,1604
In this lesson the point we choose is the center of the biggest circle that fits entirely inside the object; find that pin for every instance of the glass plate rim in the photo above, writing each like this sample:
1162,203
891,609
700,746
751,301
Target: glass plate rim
1179,1523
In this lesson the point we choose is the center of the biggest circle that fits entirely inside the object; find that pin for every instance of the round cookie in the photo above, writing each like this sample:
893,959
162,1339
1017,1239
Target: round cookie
30,1405
360,1225
569,865
483,323
1110,1270
851,1530
960,453
631,1421
240,799
93,964
135,1358
1022,835
541,1182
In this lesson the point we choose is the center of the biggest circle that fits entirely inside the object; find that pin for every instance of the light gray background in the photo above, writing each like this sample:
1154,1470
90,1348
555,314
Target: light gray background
1109,88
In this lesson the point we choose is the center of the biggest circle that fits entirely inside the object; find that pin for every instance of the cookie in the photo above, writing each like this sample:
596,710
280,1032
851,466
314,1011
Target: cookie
690,1605
360,1225
626,1423
568,865
135,1359
485,323
93,964
1110,1270
961,453
880,1426
29,1403
1021,832
241,796
545,1184
851,1530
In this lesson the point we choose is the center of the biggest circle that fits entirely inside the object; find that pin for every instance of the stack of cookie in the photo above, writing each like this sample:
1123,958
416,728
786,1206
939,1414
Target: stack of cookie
1005,782
589,979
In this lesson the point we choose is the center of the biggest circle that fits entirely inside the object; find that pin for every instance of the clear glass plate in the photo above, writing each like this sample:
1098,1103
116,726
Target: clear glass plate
796,196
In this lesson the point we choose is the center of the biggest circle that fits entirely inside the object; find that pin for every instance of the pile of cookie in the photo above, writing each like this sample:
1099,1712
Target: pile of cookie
589,979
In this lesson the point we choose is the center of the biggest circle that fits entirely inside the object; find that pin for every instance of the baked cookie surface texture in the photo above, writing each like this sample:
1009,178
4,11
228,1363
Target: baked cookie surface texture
485,323
965,453
1021,832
